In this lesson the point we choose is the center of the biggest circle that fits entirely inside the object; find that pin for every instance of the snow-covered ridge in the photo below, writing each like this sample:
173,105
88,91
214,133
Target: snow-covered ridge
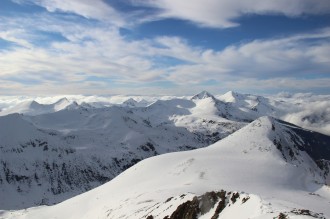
35,108
268,162
306,110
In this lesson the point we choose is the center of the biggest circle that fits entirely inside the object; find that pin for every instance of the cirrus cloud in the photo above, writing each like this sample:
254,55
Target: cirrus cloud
96,9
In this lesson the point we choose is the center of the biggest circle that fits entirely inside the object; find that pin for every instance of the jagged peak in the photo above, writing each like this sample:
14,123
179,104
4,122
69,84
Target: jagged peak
35,105
129,101
62,100
34,102
202,95
143,101
232,93
73,105
232,96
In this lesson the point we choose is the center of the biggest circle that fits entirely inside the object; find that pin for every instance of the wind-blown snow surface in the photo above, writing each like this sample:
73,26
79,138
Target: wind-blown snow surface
271,163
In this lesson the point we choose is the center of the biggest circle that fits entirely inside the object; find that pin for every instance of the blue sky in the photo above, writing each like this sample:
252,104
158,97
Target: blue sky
50,47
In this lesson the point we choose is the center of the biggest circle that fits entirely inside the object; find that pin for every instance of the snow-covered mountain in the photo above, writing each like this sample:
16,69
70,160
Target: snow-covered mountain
52,152
268,169
239,107
50,157
202,95
133,103
246,107
306,110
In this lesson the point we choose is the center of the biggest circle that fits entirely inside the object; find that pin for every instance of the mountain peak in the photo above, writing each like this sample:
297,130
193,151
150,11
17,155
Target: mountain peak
34,104
232,96
265,120
72,106
129,101
62,100
202,95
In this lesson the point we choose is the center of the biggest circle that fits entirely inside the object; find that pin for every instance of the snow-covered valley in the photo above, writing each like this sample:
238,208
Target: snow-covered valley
256,166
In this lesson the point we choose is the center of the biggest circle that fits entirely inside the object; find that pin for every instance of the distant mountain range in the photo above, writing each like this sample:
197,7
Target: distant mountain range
256,167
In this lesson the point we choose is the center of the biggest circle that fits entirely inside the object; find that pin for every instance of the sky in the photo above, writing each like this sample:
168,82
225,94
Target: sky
164,47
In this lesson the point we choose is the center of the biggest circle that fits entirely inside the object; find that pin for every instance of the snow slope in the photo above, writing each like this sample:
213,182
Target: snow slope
271,163
42,167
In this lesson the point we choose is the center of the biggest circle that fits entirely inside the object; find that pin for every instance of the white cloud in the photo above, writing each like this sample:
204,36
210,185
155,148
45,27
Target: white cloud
94,50
300,56
278,84
13,37
93,58
309,111
222,13
95,9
